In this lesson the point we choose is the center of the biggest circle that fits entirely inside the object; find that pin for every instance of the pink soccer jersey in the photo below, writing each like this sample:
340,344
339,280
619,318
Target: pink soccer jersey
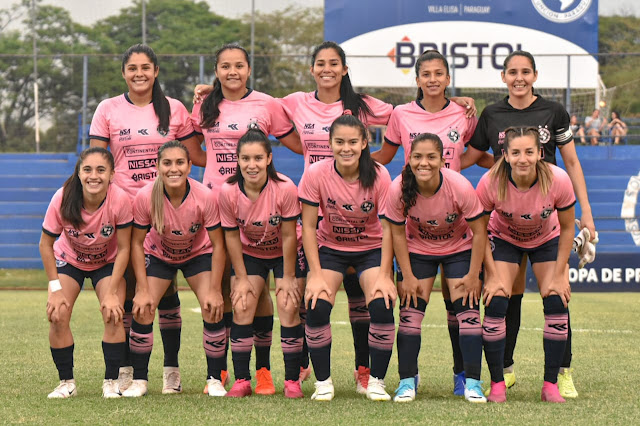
259,221
94,245
133,137
455,130
437,225
185,228
235,116
350,213
313,119
527,219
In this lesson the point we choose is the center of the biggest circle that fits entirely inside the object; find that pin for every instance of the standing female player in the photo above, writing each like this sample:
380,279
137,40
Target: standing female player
176,223
523,107
433,112
349,191
259,209
220,120
134,125
443,210
524,193
91,221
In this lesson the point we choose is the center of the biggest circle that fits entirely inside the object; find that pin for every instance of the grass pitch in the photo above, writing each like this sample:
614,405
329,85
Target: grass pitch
605,362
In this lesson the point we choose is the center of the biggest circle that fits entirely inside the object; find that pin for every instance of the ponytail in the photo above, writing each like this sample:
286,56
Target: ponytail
160,103
72,192
157,192
351,100
367,167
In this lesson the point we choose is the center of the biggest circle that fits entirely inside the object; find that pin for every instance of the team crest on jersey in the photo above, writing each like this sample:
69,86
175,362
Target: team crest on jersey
60,263
546,213
106,231
451,217
367,206
147,261
453,135
194,228
162,132
275,220
545,134
500,138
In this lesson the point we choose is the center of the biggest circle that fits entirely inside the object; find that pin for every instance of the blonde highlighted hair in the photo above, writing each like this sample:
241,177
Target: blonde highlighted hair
501,171
157,193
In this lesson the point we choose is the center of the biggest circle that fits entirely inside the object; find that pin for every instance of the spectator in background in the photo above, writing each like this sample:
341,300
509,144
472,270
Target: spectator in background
617,127
593,126
577,129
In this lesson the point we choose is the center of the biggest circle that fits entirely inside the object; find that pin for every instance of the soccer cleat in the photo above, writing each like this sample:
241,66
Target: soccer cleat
416,381
171,382
509,377
498,392
459,381
224,379
473,391
138,388
66,389
305,373
264,382
110,389
550,393
125,377
376,391
240,389
324,390
362,379
565,383
406,391
215,388
292,389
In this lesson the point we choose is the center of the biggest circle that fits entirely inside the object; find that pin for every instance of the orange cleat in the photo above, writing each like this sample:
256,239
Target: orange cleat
264,382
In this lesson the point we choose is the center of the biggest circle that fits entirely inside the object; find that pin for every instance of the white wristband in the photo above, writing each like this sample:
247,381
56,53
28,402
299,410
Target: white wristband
54,285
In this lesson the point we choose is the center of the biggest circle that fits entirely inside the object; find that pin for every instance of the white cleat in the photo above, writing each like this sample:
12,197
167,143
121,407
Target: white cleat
376,390
171,381
110,389
215,387
324,390
66,389
125,378
138,388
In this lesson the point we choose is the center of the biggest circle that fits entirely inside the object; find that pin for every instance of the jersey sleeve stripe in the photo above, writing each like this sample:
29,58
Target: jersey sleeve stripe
49,233
286,133
390,142
124,225
288,219
190,135
100,138
214,227
564,137
137,225
560,209
310,203
230,228
471,219
487,212
394,222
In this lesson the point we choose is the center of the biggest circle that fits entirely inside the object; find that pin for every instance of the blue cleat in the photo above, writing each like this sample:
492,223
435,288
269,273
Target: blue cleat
459,380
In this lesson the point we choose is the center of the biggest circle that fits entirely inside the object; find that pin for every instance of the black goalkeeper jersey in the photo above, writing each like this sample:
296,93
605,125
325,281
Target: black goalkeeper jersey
551,119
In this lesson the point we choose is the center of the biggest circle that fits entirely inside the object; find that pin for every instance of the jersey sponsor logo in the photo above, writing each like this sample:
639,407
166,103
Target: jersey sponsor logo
414,218
316,158
331,201
107,230
177,232
73,233
275,220
90,235
546,213
501,138
259,224
220,144
226,158
239,221
213,129
326,129
351,220
367,206
316,146
144,176
453,135
448,153
143,132
545,134
140,150
142,164
353,239
232,126
194,228
413,135
125,132
309,126
526,216
451,217
348,230
348,207
162,133
566,14
432,222
226,170
506,214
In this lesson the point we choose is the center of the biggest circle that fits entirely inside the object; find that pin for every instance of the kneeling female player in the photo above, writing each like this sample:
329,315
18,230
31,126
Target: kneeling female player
92,219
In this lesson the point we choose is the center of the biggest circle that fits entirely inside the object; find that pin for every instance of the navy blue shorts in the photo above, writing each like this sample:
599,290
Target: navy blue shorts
504,251
79,275
258,266
340,261
424,266
161,269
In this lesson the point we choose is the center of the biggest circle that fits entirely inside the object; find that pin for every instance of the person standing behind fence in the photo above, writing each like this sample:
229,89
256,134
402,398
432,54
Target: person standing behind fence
134,125
86,234
524,107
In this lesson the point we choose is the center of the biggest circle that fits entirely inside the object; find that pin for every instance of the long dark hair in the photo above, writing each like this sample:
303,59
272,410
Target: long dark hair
409,184
72,195
157,192
367,167
524,53
255,135
351,100
210,109
160,103
429,55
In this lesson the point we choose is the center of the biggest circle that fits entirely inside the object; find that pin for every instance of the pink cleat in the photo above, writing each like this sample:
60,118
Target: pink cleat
498,392
292,389
305,373
240,389
550,393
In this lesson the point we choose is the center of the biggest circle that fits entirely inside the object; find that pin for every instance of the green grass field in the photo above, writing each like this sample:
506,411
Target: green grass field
605,361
